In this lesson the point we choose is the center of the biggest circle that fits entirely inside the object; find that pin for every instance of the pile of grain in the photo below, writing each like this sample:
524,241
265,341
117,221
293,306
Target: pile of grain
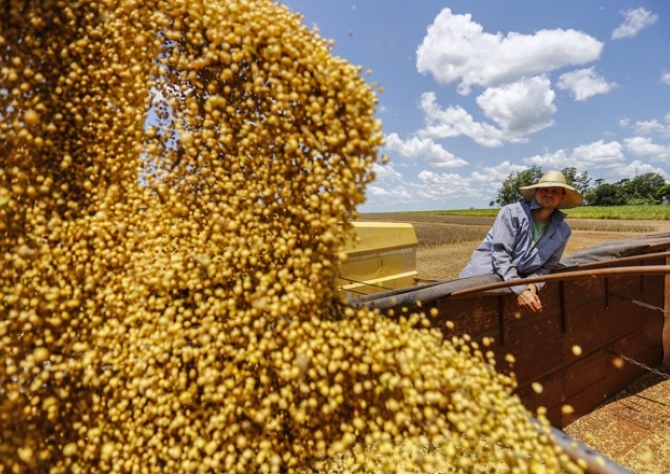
175,183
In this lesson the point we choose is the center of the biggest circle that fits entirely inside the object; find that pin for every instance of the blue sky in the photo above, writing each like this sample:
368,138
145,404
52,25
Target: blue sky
474,90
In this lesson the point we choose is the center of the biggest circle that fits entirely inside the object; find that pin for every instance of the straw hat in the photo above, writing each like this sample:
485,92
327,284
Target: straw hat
554,179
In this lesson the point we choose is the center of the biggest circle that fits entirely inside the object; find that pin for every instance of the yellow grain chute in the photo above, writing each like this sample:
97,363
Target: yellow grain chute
380,256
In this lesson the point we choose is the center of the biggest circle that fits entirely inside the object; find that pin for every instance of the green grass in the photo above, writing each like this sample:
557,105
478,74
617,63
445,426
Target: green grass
646,212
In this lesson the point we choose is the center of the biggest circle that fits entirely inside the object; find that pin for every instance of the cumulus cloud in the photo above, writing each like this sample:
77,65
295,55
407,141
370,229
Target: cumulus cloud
636,168
382,109
520,108
584,83
644,147
607,157
386,173
430,188
495,175
423,148
434,188
388,183
635,21
556,160
665,77
512,69
457,49
599,153
455,121
440,186
648,127
398,193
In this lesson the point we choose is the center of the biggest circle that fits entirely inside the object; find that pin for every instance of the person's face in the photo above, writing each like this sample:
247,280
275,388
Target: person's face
549,197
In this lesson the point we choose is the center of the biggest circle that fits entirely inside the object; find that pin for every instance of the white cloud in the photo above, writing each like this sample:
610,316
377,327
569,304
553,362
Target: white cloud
584,83
388,184
438,187
643,147
482,183
556,160
382,109
430,177
636,20
377,191
624,122
495,175
636,168
584,157
650,127
520,108
665,77
598,153
517,98
456,121
386,173
431,189
424,148
456,48
398,193
608,159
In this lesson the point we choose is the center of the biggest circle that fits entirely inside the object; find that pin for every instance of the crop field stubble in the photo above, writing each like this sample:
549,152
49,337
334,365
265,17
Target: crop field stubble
446,241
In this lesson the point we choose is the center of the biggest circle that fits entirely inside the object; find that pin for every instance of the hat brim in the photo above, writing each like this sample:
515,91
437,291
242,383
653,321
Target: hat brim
572,197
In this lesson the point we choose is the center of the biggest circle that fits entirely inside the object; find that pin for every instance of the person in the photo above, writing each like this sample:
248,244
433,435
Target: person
527,238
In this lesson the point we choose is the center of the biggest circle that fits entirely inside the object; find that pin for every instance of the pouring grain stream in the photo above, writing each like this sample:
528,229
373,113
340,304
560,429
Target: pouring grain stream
175,185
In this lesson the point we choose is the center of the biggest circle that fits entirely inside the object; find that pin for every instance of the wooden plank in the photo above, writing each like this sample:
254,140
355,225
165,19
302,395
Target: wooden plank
585,334
579,385
550,396
582,403
588,371
583,300
536,345
473,316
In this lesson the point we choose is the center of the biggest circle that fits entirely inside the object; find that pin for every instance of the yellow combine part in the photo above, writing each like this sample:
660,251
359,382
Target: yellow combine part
381,256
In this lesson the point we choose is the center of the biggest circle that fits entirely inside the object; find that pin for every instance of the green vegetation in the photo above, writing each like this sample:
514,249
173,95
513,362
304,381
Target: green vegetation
652,212
509,191
645,189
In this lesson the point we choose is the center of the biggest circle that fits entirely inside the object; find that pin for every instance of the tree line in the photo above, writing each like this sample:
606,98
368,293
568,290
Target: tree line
647,188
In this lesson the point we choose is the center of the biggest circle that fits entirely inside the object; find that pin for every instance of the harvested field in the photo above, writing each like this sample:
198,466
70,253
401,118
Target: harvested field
446,242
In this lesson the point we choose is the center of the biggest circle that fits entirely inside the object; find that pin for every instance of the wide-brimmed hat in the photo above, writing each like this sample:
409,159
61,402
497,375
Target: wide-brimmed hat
554,179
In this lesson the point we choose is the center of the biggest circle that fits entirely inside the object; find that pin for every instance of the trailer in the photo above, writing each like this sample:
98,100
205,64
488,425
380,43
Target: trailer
603,327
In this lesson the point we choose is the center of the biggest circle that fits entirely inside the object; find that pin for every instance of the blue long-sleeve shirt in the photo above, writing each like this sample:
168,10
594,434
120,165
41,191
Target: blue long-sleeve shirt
508,248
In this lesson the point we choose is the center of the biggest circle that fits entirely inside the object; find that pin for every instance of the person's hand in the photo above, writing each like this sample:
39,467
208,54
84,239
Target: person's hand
529,302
